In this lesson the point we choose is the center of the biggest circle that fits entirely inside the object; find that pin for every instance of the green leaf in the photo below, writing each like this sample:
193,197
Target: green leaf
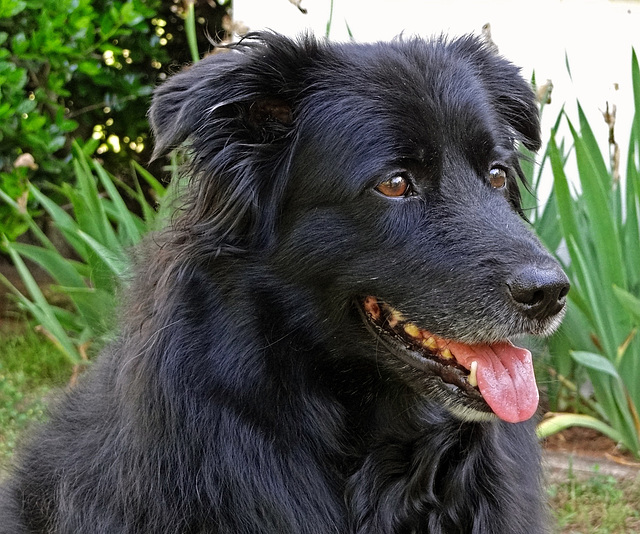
60,268
129,15
591,143
631,226
190,29
562,195
561,421
112,259
597,309
90,68
88,206
10,8
92,303
596,362
40,308
595,182
33,226
568,65
635,77
629,302
155,184
124,215
632,223
61,219
547,224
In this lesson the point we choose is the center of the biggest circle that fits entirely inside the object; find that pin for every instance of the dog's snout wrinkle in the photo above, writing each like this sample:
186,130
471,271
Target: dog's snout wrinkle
540,292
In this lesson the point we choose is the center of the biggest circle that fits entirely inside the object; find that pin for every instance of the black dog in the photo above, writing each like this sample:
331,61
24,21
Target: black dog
319,343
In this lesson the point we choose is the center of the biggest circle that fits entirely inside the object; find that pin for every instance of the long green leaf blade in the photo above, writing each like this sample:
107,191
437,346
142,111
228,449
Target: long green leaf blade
565,204
59,268
629,302
41,308
124,216
562,421
114,260
596,362
65,223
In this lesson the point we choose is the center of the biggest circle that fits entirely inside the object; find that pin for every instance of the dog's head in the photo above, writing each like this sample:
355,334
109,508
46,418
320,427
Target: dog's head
382,180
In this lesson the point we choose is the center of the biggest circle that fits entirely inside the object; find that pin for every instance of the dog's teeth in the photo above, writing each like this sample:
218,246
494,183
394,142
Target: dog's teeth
395,317
412,330
473,374
372,308
446,354
430,343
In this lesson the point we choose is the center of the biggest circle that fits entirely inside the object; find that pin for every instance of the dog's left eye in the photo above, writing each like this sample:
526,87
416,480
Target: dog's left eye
498,177
397,186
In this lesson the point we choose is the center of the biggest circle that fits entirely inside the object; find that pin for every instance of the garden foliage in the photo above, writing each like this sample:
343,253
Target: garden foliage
593,223
82,69
99,230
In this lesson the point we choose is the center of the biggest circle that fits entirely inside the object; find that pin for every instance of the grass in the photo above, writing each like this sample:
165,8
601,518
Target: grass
598,505
30,371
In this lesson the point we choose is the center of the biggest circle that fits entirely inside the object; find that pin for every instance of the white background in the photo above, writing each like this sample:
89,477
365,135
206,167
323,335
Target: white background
596,35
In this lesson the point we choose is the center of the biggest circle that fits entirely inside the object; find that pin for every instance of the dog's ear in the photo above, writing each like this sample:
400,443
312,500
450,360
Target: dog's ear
251,83
234,112
513,98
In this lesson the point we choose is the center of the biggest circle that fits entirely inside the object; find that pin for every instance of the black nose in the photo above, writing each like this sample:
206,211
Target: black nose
539,292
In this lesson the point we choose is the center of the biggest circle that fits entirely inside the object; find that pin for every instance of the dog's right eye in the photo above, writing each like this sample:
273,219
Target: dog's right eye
397,186
498,177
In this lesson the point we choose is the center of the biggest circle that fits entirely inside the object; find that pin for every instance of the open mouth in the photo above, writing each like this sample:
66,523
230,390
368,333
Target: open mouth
492,377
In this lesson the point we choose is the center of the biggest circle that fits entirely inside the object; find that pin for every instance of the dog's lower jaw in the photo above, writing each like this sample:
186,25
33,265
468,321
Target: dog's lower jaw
464,412
469,415
450,372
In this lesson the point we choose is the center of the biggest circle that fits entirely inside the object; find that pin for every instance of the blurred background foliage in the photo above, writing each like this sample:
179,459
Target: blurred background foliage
84,70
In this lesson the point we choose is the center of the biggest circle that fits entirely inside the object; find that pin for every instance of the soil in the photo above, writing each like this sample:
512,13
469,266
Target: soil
584,452
586,442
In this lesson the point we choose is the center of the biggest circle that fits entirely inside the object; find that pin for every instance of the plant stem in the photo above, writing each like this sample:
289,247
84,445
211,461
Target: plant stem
190,28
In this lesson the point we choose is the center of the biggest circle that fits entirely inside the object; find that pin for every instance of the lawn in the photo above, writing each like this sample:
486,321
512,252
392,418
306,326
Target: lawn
599,505
32,373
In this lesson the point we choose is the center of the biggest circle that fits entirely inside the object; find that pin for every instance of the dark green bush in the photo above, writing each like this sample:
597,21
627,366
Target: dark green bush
83,69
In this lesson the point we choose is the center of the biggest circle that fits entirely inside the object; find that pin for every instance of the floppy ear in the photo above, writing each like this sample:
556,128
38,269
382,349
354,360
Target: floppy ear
514,99
234,112
516,102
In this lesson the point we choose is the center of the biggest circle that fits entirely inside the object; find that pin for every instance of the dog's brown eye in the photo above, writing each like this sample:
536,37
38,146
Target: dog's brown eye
397,186
497,177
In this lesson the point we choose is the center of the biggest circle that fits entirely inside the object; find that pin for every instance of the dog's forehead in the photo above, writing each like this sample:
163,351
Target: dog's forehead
423,81
385,103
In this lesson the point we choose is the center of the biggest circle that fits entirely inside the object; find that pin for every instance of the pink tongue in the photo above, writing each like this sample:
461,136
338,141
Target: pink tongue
505,378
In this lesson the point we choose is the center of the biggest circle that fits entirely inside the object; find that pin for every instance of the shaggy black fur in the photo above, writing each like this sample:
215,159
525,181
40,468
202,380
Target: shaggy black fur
245,393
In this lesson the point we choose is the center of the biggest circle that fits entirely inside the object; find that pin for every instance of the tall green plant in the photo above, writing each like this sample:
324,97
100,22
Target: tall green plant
599,226
99,230
190,29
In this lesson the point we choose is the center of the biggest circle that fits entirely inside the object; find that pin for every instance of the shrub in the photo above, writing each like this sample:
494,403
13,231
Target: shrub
77,69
